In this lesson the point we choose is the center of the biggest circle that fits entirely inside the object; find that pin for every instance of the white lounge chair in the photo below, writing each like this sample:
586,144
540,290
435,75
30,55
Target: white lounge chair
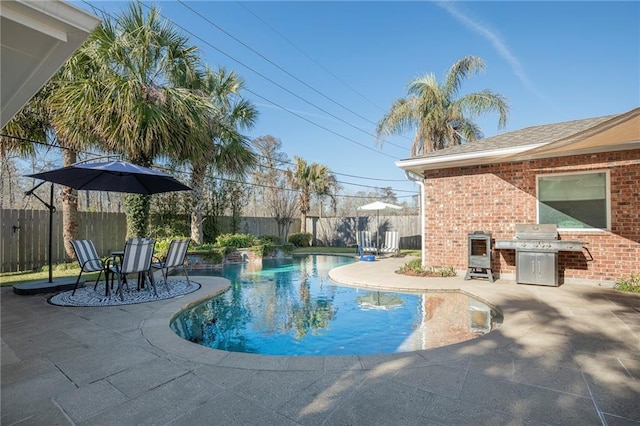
364,241
391,243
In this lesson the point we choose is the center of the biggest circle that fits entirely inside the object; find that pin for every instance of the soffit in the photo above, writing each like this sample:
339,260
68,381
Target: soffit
36,39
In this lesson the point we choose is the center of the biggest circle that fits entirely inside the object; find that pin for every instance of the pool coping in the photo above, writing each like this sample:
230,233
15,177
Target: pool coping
157,332
563,355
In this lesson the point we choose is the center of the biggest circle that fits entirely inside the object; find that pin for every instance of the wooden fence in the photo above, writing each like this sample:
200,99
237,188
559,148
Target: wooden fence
24,234
341,231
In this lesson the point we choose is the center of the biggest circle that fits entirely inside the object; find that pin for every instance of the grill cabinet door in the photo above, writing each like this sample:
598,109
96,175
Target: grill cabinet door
539,268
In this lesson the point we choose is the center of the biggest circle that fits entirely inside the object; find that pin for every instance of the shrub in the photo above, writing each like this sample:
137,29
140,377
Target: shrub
271,239
414,267
162,246
236,240
300,239
629,283
208,252
202,247
215,256
288,248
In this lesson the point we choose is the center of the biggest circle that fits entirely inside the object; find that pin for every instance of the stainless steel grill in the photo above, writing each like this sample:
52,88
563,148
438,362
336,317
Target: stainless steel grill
537,248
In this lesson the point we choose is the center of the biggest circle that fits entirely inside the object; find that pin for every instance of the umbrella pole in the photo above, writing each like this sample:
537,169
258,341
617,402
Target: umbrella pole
51,209
378,232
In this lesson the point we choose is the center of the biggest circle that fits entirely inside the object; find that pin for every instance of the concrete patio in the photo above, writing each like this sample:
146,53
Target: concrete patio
566,355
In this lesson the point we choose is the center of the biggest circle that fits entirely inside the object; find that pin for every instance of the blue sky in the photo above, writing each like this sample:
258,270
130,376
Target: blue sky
322,74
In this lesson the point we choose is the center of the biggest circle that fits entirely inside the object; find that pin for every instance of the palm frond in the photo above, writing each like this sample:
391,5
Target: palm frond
440,119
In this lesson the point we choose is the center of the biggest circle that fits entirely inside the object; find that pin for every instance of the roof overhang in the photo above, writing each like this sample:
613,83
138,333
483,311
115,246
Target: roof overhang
37,38
620,133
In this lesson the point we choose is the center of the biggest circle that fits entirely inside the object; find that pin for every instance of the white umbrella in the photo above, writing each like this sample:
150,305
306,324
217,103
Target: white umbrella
377,206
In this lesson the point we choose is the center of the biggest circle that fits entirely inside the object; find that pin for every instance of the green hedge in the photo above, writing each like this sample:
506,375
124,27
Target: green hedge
300,239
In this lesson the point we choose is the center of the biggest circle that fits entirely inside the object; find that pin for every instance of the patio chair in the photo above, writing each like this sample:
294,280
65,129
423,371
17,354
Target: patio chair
88,259
137,257
364,241
175,259
391,243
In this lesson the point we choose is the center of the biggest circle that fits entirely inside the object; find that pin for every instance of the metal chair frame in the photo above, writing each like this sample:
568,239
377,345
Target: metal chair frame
137,258
175,258
88,260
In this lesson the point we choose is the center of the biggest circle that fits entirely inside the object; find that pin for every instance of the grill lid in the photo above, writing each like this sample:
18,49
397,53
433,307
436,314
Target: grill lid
546,231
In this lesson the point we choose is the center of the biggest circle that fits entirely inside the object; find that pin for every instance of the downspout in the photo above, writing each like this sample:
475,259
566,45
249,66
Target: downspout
418,179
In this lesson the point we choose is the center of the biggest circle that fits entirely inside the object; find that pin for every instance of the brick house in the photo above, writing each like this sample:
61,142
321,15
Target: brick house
582,175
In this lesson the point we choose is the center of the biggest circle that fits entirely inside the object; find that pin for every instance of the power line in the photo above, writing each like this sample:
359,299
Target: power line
343,174
321,126
273,82
259,185
342,182
271,62
286,90
289,74
94,8
309,57
188,174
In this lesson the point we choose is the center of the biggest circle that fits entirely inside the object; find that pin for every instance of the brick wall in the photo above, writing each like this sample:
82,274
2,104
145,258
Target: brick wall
494,198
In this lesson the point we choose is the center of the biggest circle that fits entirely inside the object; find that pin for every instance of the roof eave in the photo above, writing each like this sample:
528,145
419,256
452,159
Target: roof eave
619,133
419,165
37,39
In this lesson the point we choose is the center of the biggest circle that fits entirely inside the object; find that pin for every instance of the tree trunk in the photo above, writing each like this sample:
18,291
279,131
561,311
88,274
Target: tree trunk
69,207
197,202
305,201
137,210
137,207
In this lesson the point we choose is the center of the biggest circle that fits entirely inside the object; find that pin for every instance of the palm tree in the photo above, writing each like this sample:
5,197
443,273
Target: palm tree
138,98
229,152
310,179
439,117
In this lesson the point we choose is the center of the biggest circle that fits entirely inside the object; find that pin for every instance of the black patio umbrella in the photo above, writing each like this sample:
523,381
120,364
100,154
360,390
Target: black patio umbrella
113,176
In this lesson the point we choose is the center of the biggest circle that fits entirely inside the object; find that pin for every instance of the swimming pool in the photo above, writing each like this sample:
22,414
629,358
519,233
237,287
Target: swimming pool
290,307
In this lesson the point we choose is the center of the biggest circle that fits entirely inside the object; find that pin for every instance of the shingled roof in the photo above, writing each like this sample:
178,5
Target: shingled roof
597,134
533,135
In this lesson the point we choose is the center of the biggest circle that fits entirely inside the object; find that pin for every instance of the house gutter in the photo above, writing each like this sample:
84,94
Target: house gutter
418,179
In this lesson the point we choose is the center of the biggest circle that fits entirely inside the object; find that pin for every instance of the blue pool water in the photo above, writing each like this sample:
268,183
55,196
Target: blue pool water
290,307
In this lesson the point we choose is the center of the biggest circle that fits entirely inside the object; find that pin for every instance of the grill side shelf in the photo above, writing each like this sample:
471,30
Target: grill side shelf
554,245
505,244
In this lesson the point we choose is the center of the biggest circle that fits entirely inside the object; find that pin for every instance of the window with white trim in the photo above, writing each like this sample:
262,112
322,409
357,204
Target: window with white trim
574,200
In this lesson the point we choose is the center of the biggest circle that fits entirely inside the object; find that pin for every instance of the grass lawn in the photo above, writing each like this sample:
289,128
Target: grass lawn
12,278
